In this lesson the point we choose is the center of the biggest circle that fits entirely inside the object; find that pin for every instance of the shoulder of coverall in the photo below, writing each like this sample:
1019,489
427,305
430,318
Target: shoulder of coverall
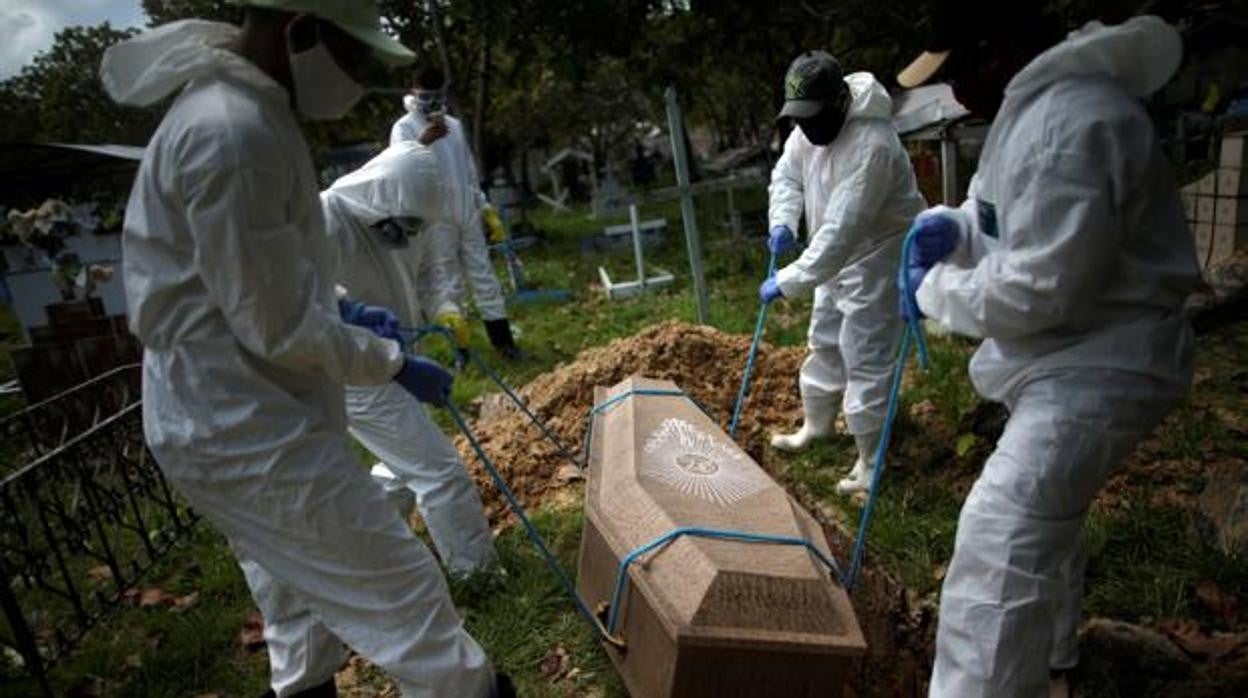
1140,55
146,68
868,98
227,129
1078,99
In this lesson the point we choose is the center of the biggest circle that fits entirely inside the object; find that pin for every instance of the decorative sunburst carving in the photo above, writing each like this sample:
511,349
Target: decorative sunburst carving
680,455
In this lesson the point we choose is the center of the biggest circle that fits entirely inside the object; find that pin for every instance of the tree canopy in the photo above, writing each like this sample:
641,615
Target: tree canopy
529,74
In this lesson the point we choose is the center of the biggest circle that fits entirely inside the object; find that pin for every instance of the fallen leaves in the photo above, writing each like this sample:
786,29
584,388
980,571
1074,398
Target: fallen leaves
251,635
102,573
556,664
1218,602
569,473
155,597
1198,643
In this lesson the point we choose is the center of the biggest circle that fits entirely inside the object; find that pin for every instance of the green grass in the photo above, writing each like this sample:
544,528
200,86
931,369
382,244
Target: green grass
527,618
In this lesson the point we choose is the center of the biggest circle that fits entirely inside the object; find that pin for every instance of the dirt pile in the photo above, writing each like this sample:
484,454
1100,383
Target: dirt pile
702,361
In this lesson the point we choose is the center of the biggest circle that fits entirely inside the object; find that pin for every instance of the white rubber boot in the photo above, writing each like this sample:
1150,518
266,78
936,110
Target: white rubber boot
859,479
818,421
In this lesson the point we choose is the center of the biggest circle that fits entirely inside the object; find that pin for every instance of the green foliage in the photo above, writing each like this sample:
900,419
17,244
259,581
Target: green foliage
164,11
58,97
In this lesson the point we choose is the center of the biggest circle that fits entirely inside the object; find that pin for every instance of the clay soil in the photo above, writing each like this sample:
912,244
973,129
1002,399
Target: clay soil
703,361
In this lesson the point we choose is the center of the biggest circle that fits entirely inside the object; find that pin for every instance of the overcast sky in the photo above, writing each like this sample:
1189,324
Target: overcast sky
27,26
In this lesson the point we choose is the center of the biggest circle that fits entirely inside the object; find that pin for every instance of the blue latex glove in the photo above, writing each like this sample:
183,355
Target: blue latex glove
781,240
769,291
913,276
933,237
425,379
380,320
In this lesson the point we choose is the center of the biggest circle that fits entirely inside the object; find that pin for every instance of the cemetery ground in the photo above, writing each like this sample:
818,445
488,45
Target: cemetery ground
1159,556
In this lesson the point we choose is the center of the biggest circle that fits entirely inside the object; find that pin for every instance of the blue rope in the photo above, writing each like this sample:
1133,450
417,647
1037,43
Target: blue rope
913,332
530,529
881,450
417,332
545,429
914,323
602,407
749,361
621,579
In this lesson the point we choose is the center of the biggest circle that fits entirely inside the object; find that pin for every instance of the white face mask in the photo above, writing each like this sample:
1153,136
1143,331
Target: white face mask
430,103
323,91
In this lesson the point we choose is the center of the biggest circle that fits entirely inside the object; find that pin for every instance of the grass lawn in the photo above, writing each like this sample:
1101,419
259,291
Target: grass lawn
1145,559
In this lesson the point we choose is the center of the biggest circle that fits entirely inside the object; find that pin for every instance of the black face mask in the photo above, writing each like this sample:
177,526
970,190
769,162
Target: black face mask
823,128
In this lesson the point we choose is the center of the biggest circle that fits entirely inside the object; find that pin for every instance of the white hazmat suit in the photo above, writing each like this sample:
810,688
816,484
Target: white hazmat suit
1073,267
859,196
404,182
227,274
456,249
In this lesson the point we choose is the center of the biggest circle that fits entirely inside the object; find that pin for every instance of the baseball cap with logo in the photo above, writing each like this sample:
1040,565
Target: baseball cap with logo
813,81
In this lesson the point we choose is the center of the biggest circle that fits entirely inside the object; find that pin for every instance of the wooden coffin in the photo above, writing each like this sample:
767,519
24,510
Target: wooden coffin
705,617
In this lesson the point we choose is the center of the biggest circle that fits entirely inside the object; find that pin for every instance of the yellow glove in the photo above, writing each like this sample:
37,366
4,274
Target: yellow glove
458,326
493,224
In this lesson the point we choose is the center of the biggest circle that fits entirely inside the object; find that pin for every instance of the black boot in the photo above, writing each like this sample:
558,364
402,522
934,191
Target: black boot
499,332
503,687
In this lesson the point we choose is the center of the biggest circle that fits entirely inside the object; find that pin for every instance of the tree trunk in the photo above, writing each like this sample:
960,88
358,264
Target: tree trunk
481,105
435,21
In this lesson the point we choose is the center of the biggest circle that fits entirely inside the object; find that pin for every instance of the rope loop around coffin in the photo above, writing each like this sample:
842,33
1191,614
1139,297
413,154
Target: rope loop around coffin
535,536
621,578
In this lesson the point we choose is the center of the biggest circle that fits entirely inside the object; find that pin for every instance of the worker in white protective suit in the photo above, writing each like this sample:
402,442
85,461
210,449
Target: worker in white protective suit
229,287
846,169
455,251
372,215
1070,258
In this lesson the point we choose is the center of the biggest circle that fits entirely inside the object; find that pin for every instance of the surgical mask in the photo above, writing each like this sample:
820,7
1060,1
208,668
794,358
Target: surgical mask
323,91
430,102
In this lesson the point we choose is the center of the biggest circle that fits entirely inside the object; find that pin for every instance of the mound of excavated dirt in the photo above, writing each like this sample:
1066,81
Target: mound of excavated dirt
702,361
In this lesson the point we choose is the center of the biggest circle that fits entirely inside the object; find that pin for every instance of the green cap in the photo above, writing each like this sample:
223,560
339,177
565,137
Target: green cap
359,18
813,81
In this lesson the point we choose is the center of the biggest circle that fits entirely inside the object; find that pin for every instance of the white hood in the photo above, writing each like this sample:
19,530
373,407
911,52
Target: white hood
1141,55
145,69
403,181
869,99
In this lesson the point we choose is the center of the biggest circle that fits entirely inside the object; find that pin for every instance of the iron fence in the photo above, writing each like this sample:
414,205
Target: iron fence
47,425
80,523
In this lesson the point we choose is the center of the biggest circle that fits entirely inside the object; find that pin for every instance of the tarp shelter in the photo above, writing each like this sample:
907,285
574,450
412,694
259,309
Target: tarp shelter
932,113
32,172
